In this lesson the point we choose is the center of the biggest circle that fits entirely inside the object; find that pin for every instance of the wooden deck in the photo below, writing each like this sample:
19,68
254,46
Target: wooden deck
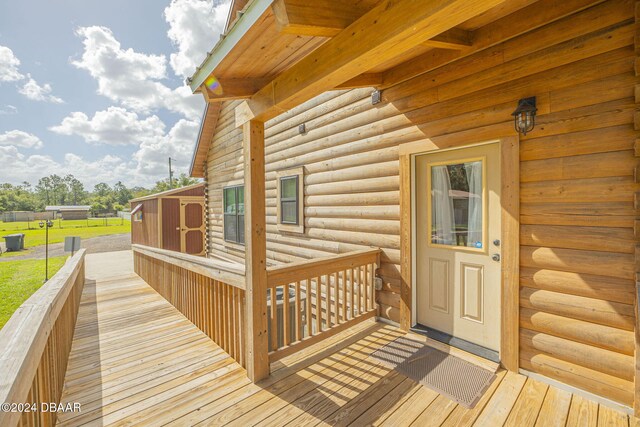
137,361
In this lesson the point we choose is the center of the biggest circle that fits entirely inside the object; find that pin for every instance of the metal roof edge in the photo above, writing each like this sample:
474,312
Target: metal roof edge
195,150
167,192
252,13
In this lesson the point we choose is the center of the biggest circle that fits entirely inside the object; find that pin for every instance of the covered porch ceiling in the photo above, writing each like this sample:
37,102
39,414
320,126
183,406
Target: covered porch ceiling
280,53
273,39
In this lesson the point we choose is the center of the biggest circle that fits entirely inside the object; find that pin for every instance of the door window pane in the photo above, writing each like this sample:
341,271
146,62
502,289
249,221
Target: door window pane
457,204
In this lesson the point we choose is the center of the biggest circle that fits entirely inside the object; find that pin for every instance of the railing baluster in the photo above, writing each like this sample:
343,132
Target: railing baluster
373,286
335,301
227,316
351,296
236,322
327,303
298,313
274,318
366,288
285,315
358,285
363,285
308,318
318,305
344,295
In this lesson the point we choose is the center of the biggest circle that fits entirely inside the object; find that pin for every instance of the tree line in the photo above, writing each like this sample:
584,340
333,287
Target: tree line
68,190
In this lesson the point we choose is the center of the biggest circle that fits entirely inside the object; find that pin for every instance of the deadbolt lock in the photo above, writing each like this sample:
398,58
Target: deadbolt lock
496,242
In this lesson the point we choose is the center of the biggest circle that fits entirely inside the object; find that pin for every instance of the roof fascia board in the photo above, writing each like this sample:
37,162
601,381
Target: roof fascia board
198,142
168,192
253,12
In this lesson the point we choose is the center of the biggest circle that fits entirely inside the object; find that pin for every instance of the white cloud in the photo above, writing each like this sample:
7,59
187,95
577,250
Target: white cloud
32,90
114,126
8,109
132,78
194,28
21,168
178,144
9,72
18,138
9,155
9,64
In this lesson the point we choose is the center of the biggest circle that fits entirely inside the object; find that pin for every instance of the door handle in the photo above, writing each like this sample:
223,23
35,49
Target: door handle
495,257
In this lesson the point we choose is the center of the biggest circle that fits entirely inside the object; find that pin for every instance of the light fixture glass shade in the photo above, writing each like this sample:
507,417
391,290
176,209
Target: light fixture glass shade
525,115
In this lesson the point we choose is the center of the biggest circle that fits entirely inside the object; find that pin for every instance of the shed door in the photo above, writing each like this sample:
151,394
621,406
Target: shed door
192,227
458,243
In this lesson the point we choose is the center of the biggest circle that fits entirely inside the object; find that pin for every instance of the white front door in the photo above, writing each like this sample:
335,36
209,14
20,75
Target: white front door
457,195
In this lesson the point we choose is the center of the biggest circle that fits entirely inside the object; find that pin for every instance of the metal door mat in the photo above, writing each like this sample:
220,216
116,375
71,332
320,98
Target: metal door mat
461,381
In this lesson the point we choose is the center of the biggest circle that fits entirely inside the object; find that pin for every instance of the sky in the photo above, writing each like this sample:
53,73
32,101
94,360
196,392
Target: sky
96,88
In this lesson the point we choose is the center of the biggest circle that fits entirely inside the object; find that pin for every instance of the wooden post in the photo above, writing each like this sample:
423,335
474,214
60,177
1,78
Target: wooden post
405,246
636,394
255,251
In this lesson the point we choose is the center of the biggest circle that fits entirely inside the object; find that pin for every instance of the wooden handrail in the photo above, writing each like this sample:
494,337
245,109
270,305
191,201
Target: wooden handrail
312,300
287,273
216,307
27,334
227,272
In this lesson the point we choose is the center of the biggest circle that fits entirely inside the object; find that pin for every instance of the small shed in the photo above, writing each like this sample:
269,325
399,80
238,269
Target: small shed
70,212
172,220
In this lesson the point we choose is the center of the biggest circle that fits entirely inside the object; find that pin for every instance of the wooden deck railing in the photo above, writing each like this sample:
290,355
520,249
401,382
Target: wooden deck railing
35,345
307,301
210,293
318,298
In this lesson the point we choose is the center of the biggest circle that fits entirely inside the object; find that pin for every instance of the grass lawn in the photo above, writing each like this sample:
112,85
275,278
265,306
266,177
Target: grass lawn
19,280
85,229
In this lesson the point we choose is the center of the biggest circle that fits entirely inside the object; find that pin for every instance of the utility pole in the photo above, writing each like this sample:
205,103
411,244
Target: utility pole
170,174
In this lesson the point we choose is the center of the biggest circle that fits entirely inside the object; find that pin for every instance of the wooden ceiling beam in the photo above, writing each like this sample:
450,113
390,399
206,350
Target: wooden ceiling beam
232,89
320,18
363,80
326,18
529,18
454,38
391,28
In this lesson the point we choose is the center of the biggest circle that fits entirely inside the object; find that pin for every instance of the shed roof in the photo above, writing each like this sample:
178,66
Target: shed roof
68,208
171,192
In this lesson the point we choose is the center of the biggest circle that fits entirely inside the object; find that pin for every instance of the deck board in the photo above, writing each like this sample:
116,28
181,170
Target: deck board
137,361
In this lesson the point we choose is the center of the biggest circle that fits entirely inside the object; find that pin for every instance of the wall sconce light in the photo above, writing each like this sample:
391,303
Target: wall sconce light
376,97
525,115
302,129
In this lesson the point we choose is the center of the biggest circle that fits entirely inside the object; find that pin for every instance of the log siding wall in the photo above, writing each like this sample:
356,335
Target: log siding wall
578,180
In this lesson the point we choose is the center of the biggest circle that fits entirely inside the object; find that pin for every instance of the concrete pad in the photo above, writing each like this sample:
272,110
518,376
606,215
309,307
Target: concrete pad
107,265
